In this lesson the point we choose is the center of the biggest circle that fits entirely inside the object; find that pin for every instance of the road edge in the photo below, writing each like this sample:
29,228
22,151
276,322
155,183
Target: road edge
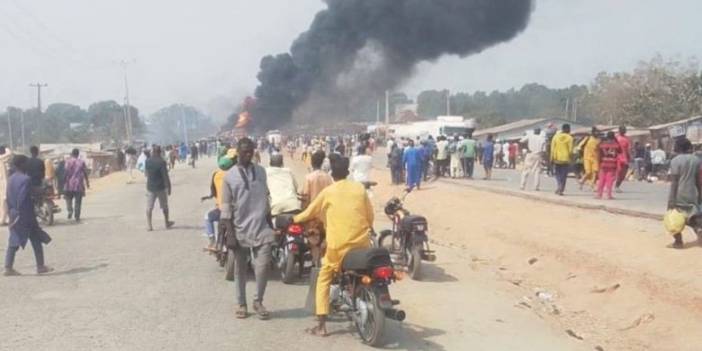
554,201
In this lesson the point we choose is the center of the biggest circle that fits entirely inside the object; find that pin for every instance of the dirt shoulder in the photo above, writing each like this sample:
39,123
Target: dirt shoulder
609,279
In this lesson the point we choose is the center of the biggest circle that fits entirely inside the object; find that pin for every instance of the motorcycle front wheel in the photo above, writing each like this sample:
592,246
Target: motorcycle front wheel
370,318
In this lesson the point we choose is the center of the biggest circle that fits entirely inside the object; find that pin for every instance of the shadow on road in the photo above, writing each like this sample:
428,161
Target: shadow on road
78,270
292,313
435,274
411,337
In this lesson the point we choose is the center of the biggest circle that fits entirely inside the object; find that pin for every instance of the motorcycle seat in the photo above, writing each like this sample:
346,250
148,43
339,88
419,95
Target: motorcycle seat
365,259
408,222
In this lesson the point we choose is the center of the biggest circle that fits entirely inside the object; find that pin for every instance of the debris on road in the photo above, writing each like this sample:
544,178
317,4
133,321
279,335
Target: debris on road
571,333
608,289
643,319
533,260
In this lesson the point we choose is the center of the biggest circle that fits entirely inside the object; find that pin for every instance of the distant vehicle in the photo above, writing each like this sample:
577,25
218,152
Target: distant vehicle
274,137
442,125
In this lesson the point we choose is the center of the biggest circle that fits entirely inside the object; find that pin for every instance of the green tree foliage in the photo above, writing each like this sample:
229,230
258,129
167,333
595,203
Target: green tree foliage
66,123
657,91
108,122
531,101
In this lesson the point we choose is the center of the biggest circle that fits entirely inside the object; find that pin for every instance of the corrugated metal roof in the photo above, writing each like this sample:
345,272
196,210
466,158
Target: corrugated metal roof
509,126
666,125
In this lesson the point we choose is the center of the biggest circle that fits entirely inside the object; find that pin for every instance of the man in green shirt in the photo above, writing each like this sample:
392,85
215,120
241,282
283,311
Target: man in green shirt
468,152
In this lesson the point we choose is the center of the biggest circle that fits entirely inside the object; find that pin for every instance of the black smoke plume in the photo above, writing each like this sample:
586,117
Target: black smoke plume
357,49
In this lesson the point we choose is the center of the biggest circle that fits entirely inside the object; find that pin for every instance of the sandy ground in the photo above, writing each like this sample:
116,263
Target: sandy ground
607,279
117,287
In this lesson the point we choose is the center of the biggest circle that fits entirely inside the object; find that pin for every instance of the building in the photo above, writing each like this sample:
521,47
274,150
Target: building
688,127
516,130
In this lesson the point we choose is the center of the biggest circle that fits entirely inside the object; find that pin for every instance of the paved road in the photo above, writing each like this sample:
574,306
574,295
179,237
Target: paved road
649,198
118,287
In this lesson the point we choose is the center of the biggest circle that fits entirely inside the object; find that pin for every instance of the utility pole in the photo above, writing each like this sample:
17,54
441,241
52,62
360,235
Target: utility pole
38,86
575,109
448,102
377,113
24,146
185,124
567,109
9,126
127,111
387,107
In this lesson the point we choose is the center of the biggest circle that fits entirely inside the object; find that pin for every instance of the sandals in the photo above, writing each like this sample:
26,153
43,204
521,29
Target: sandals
261,311
241,312
317,331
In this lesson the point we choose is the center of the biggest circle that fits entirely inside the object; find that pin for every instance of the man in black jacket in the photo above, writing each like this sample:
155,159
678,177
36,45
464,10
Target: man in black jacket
158,186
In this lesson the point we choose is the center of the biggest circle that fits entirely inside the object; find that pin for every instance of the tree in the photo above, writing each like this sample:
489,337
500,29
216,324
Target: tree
166,124
108,123
657,91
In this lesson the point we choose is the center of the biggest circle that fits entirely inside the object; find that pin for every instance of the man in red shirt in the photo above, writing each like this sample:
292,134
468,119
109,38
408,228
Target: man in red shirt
513,151
624,156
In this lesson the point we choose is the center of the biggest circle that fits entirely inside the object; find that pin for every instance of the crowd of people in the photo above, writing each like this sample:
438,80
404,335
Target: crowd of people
24,183
332,203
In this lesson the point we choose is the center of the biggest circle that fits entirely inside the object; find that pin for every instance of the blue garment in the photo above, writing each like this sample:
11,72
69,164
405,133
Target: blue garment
412,160
183,151
488,153
21,210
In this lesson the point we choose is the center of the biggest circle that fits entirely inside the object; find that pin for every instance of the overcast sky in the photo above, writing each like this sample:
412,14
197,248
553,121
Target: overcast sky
198,51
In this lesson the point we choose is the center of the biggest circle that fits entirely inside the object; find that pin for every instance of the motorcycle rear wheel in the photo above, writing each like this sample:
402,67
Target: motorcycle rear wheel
414,264
371,329
287,266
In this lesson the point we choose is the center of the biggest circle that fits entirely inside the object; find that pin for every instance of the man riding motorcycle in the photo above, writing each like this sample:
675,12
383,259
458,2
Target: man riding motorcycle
283,188
348,215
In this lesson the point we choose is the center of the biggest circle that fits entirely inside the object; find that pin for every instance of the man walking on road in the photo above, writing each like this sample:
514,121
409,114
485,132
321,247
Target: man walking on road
348,214
442,157
412,161
561,153
685,187
624,157
35,169
5,160
467,146
395,162
590,148
536,144
158,186
23,222
76,180
246,214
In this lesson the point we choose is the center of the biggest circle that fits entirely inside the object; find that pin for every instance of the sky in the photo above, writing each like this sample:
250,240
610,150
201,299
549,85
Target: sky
206,53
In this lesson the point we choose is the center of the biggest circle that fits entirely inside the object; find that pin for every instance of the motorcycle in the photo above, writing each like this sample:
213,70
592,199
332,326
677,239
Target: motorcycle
408,239
361,292
224,255
44,206
292,248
